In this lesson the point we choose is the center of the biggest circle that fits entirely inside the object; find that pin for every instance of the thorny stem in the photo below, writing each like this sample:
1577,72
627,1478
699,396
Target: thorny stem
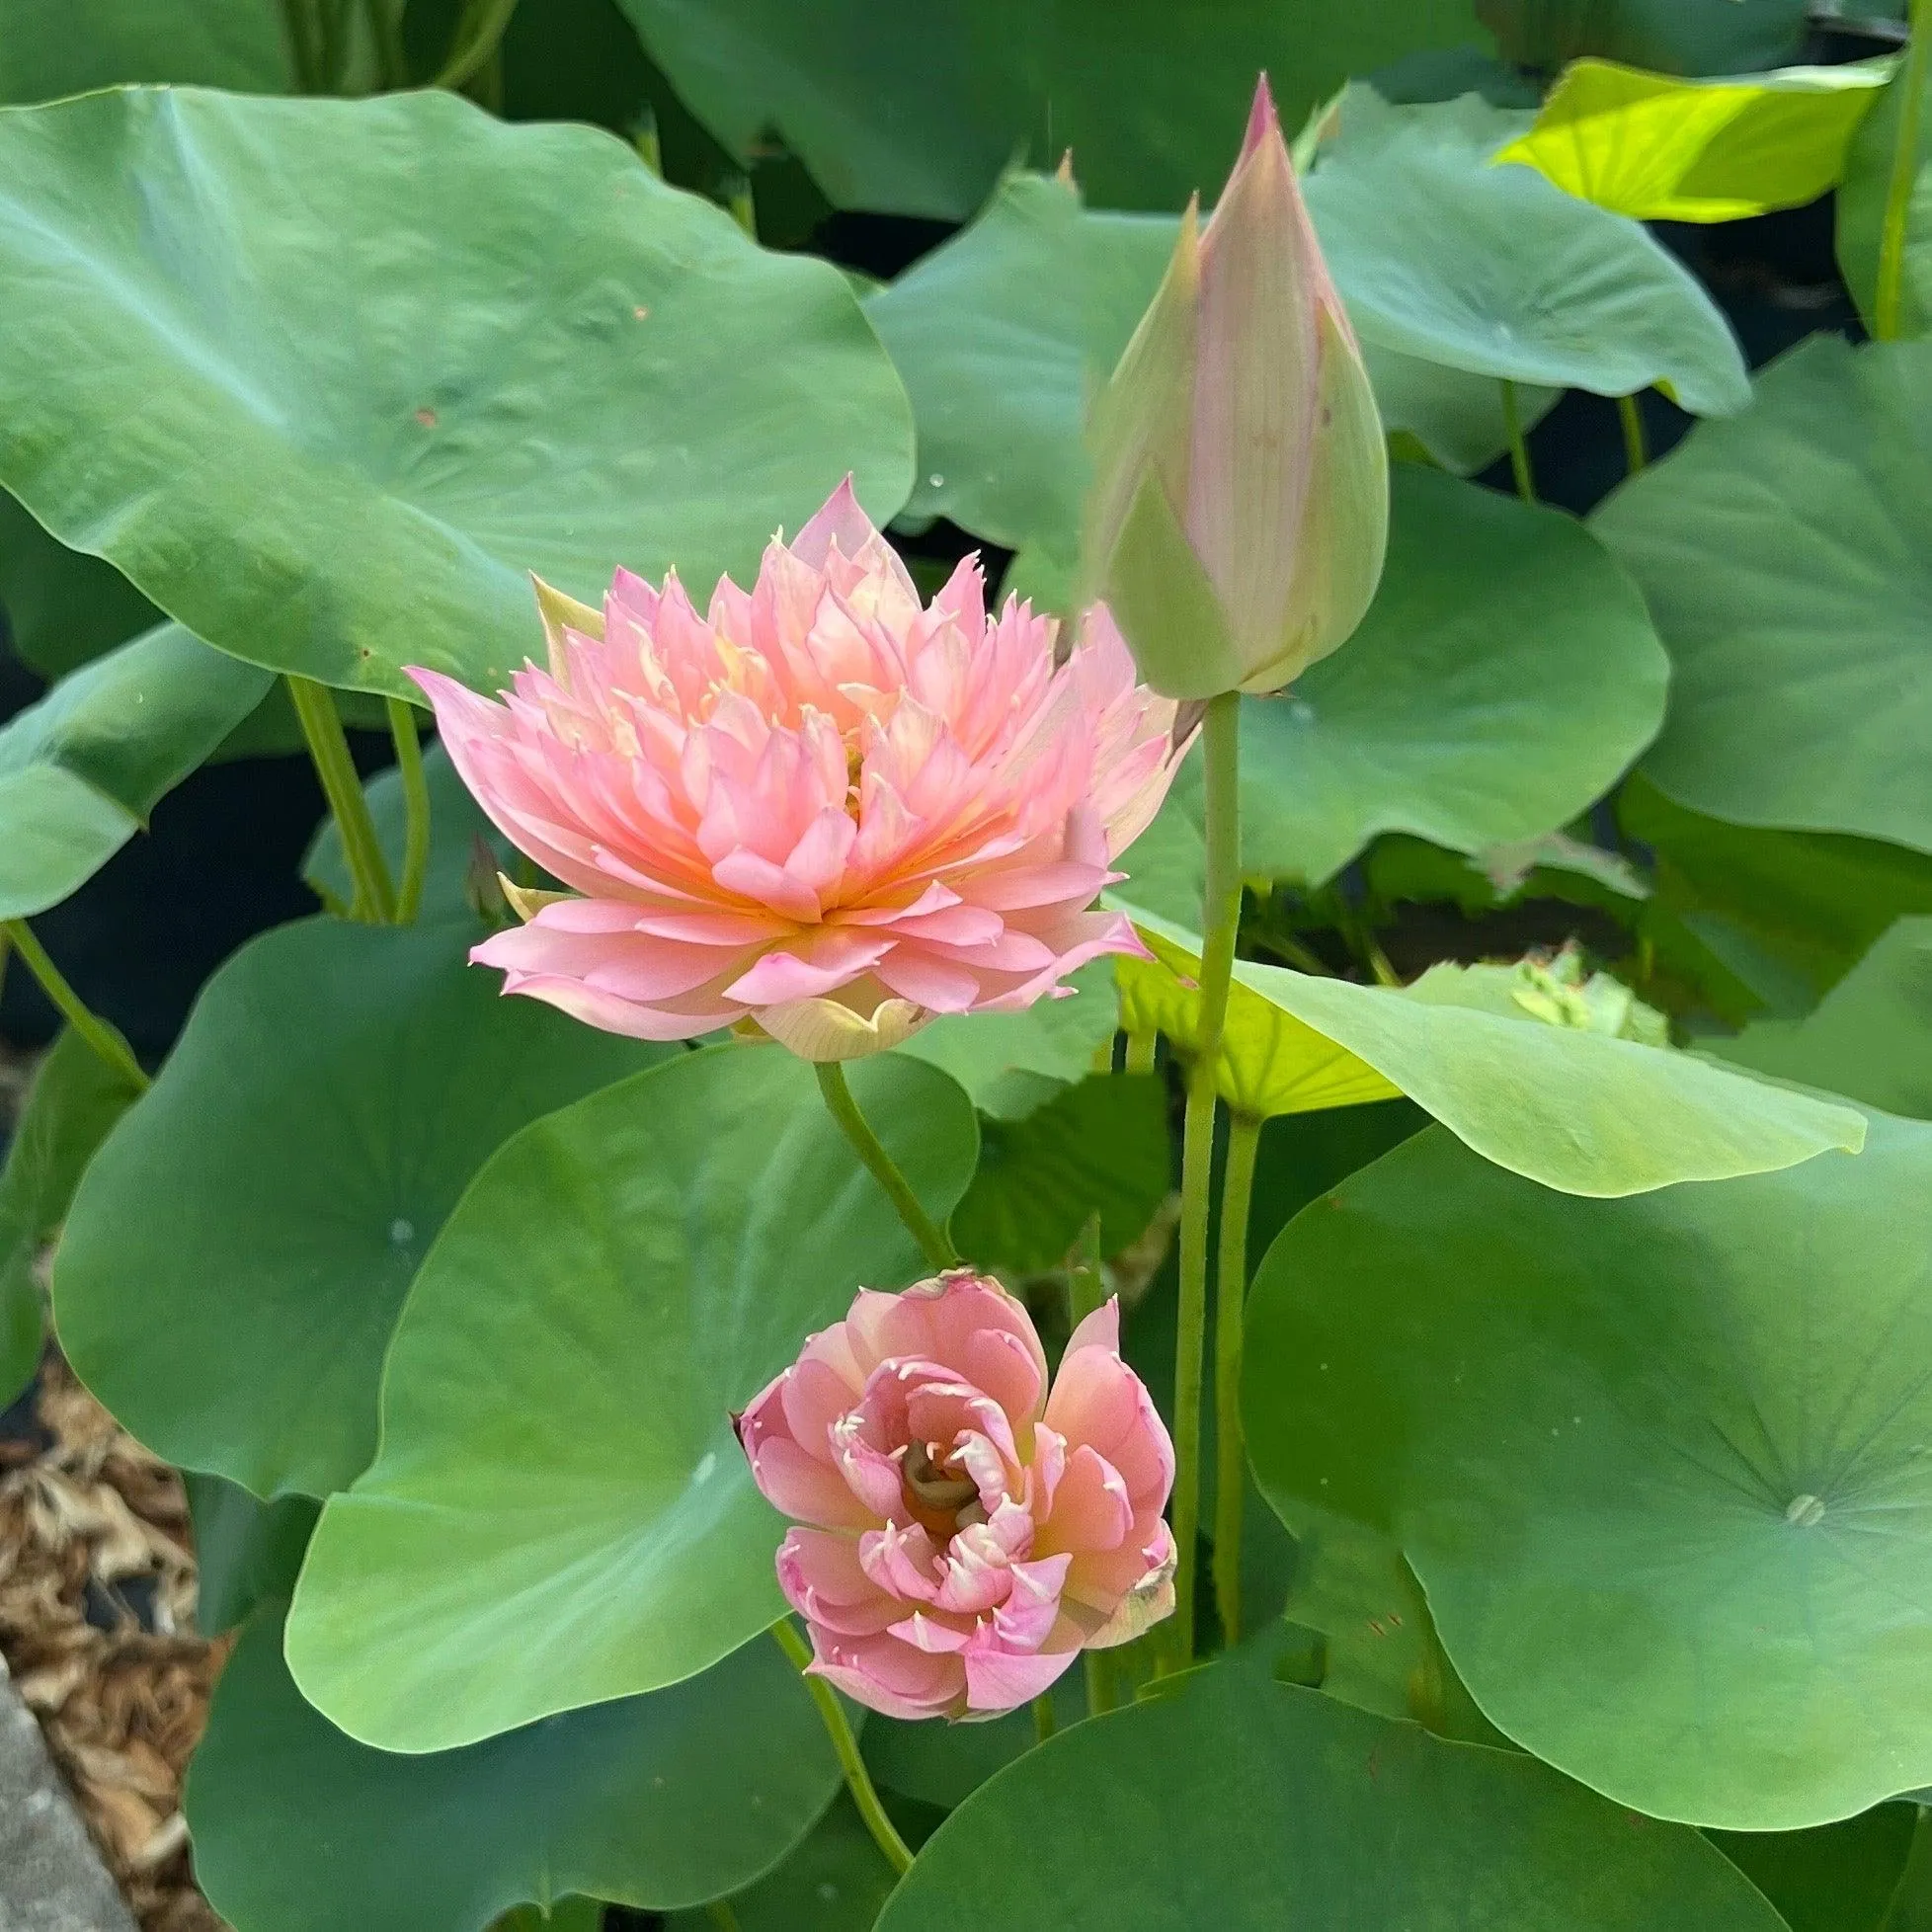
1519,458
97,1034
1044,1722
858,1780
1220,919
1140,1052
1230,1295
881,1167
416,798
315,705
1888,298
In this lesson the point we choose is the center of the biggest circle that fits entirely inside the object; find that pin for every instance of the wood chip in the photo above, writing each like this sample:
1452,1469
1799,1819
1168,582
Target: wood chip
89,1525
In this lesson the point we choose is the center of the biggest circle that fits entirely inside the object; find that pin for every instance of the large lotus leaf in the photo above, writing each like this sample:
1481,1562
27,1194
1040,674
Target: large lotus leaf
1456,418
1838,1878
50,48
235,1262
62,606
1469,708
1581,1111
1870,1038
1672,36
836,1881
660,1801
561,1513
81,770
1098,1147
1004,334
75,1098
1234,1801
1496,270
917,112
1663,149
246,1551
1505,675
1659,1463
1792,912
326,379
1862,200
999,1058
943,1764
1787,558
1374,1644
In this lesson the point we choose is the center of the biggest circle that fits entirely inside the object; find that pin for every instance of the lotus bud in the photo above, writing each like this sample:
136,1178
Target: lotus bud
1239,513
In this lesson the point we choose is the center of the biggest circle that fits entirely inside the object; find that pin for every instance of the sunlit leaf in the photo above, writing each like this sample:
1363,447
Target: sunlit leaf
1581,1111
1663,149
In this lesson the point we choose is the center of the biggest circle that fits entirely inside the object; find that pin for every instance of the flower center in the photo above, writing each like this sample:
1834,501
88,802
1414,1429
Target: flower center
939,1486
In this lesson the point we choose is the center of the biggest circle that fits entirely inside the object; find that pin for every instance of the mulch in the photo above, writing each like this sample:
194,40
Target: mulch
97,1627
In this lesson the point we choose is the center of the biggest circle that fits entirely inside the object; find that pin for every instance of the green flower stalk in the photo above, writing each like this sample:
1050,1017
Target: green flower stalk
1237,527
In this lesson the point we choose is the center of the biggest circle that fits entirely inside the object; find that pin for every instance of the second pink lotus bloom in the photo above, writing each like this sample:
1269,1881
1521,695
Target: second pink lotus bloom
819,807
965,1534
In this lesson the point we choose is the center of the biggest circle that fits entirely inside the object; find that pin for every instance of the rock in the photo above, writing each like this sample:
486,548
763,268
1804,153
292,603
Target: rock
51,1878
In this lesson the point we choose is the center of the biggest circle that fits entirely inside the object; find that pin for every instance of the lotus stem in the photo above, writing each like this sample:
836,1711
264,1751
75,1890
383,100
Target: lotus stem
858,1780
1230,1297
1636,455
416,798
939,1250
1220,921
97,1034
385,31
1519,456
1044,1722
478,35
315,705
1889,299
1140,1052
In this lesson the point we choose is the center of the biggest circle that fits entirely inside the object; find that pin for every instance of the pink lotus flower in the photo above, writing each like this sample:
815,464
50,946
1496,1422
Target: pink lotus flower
818,807
968,1534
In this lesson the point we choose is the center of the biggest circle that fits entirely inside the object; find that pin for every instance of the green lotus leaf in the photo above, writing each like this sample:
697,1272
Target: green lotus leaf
233,1264
51,47
1579,1110
917,113
1787,558
1097,1147
1234,1801
835,1881
1496,270
656,1801
81,770
62,606
326,379
1546,36
561,1513
75,1099
1871,1037
1658,1464
1000,1059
